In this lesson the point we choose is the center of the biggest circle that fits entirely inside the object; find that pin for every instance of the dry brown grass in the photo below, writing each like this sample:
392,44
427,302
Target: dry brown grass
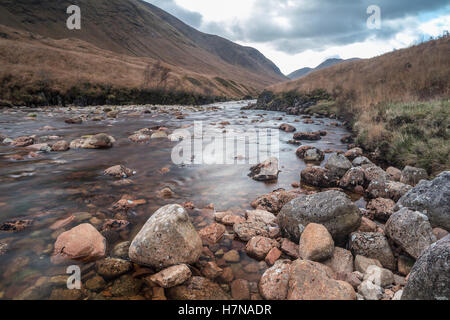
397,103
417,73
28,60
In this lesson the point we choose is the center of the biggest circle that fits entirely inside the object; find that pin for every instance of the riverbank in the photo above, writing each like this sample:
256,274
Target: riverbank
398,134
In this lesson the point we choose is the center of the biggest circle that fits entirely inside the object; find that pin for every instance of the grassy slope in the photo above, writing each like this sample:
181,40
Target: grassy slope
120,41
397,103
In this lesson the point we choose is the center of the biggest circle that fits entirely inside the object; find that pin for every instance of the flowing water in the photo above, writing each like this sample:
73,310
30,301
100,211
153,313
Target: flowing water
56,185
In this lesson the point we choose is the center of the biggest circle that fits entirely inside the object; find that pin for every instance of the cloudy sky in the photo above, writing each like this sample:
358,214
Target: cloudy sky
304,33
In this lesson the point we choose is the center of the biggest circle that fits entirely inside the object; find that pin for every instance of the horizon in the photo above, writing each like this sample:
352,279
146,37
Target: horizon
292,45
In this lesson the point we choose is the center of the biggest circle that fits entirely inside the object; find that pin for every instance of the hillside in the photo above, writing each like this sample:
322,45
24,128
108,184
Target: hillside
132,36
397,104
327,63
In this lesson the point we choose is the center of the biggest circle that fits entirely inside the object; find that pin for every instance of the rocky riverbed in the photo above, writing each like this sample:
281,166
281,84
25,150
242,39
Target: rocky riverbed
96,187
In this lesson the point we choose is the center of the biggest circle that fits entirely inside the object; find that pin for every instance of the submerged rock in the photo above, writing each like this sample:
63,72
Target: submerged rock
119,171
167,238
197,288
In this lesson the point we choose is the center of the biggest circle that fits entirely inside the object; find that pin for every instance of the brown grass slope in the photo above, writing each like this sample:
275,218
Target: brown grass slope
416,73
138,29
398,104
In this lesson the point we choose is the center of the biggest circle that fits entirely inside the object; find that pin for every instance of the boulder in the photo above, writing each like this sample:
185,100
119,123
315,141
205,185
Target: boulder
353,153
362,263
367,225
261,216
247,230
318,177
274,283
431,198
430,277
412,175
119,171
139,137
23,141
159,135
98,141
82,243
273,255
289,248
310,280
352,178
380,208
112,267
394,173
287,128
172,276
373,172
310,154
360,161
405,264
440,233
74,120
312,136
167,238
333,209
212,233
197,288
379,276
265,171
338,165
411,230
374,246
316,243
258,247
387,189
211,270
274,201
341,261
60,146
370,291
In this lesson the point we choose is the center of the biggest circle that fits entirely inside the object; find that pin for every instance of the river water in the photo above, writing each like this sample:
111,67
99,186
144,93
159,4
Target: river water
56,185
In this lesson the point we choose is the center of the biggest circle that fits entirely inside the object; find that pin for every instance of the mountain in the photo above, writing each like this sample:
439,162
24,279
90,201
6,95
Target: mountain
127,39
327,63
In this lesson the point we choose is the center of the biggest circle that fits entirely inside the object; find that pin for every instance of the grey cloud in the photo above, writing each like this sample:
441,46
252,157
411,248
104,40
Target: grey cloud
191,18
313,25
319,24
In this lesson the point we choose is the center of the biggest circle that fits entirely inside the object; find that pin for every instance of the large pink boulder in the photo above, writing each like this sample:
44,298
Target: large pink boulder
82,243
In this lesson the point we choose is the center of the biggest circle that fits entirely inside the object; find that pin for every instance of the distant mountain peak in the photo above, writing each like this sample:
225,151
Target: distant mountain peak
327,63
